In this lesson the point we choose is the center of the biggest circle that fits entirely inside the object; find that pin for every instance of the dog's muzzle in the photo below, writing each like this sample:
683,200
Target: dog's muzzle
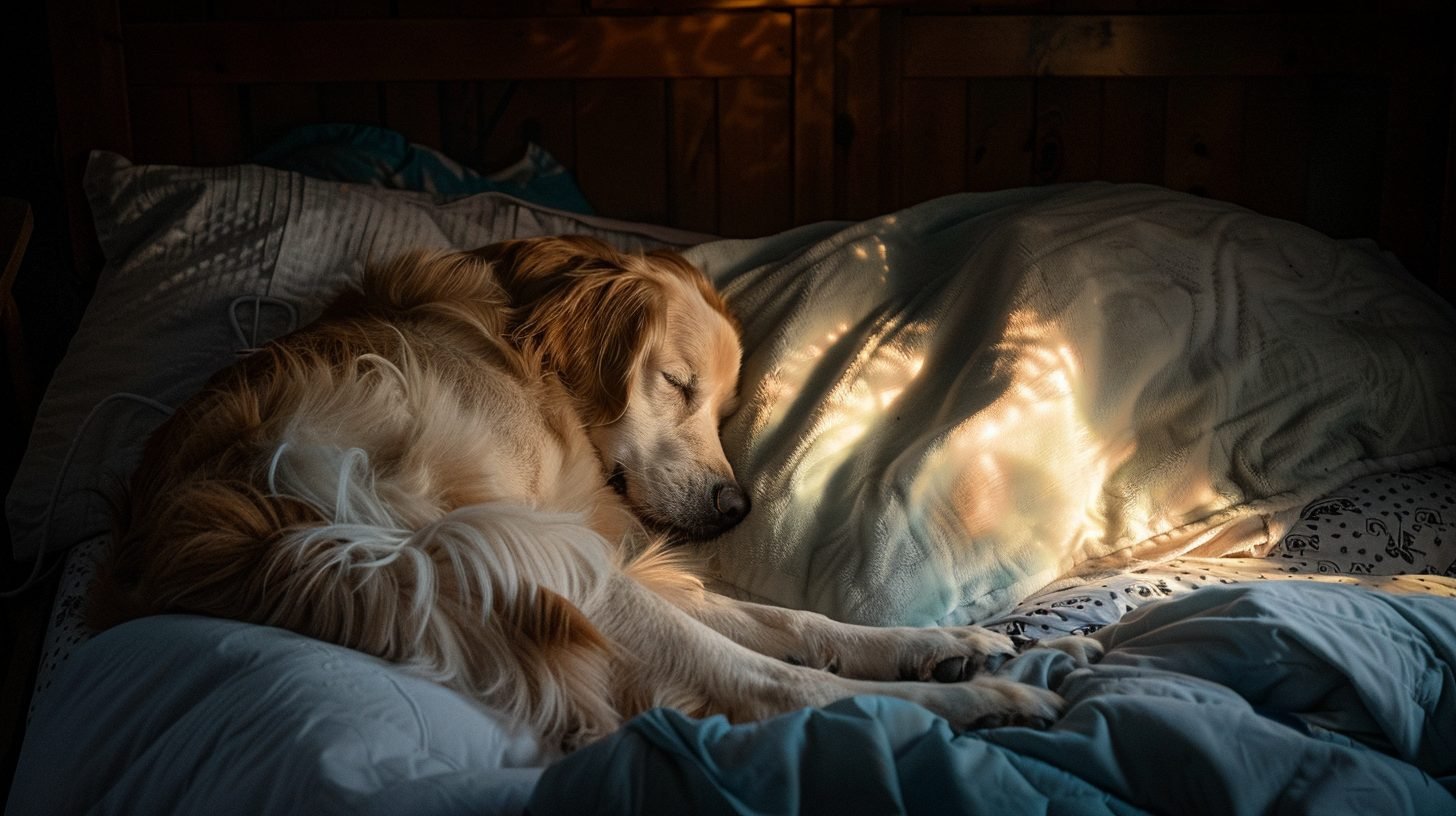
725,507
731,505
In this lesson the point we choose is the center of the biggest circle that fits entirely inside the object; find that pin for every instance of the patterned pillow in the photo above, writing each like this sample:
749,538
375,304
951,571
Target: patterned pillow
1379,525
1390,531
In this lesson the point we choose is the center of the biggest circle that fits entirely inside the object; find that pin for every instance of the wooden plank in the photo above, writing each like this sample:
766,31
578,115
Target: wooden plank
1446,262
91,108
1000,6
405,50
814,178
1410,194
298,9
863,68
1153,45
161,124
16,225
499,142
537,111
172,11
699,5
553,123
334,9
1068,130
354,103
892,72
1274,163
692,154
1133,119
933,139
1344,153
1001,119
1205,122
413,108
250,9
621,147
491,152
755,181
460,119
493,8
217,124
275,109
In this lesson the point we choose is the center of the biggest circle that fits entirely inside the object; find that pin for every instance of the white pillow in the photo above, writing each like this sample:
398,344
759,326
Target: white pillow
952,407
202,264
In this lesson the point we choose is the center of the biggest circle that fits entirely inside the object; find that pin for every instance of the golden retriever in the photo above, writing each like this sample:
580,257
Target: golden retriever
472,468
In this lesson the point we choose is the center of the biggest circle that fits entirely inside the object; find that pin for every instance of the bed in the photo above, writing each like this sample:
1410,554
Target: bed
1219,441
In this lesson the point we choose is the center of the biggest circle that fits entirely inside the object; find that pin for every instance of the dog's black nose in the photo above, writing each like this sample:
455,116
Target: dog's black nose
730,503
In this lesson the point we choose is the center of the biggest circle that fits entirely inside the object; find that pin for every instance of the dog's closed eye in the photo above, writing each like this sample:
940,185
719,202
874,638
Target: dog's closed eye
685,386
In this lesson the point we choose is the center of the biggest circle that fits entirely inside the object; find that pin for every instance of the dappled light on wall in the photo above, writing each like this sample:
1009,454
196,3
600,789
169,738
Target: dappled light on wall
695,45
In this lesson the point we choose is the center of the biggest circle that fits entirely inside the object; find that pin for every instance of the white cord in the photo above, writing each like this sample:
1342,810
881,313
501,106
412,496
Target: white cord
249,339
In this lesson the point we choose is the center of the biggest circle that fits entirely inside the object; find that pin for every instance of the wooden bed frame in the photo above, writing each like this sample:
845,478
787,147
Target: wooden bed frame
744,117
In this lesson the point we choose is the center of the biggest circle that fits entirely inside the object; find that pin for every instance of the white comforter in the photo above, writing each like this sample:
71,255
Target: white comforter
952,407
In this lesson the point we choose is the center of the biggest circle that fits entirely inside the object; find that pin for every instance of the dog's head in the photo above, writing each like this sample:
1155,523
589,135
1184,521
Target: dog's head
650,353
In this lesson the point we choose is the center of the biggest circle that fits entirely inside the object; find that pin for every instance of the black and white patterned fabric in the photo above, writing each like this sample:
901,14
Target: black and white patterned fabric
1395,532
67,626
1379,525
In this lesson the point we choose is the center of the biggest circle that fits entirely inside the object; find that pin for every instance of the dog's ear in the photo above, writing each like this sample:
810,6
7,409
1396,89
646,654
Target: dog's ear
529,268
583,312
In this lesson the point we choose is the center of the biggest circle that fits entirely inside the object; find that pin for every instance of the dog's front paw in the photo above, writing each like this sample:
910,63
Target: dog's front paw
953,654
993,702
1084,651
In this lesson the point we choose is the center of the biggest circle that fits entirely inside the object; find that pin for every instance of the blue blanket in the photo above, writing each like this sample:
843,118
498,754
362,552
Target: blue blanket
365,154
1257,698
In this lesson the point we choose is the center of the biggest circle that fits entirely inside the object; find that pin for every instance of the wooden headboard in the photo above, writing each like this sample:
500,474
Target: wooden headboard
744,117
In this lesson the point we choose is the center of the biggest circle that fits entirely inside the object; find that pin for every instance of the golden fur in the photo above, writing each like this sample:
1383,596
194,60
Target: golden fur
471,467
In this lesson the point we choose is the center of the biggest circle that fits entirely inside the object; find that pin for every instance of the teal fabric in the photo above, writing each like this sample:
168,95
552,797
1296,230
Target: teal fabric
364,154
1257,698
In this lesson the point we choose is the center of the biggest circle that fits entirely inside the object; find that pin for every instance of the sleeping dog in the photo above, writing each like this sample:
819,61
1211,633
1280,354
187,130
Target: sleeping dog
473,467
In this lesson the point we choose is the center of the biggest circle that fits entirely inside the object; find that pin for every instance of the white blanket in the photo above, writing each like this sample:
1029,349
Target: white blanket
949,408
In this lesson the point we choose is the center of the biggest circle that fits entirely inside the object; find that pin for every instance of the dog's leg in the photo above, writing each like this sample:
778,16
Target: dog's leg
668,657
943,654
